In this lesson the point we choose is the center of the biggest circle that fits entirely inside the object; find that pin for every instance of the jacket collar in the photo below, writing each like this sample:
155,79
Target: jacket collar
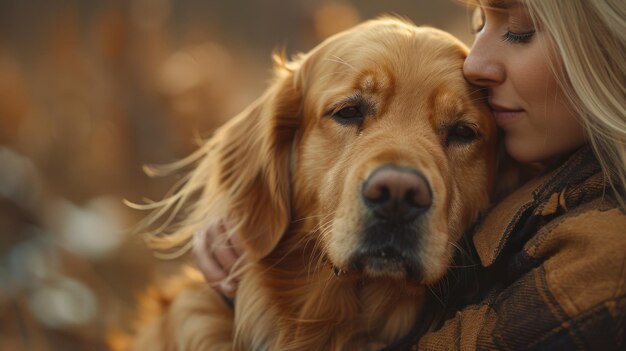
577,180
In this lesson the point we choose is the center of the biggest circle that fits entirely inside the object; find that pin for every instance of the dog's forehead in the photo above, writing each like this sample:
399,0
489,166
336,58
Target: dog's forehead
371,57
384,62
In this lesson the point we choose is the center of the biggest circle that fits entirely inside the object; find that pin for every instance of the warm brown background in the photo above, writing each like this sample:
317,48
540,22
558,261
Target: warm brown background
92,90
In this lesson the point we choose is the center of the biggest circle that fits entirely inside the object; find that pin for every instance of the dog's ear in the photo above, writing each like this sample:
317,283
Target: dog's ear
245,167
241,176
253,163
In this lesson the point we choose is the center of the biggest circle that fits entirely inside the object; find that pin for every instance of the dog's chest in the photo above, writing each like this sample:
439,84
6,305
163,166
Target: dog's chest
321,312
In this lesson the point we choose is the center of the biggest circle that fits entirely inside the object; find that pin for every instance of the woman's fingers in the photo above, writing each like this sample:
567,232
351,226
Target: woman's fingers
225,253
216,255
237,245
209,266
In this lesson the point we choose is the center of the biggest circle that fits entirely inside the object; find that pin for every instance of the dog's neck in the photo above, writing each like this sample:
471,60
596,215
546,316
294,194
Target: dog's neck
315,307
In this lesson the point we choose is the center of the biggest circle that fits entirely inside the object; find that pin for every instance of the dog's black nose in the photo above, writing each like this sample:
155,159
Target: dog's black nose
397,194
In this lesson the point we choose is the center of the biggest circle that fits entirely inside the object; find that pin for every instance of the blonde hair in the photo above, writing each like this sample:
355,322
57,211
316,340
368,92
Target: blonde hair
589,37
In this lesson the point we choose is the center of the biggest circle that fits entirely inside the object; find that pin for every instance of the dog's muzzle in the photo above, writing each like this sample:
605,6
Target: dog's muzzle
396,199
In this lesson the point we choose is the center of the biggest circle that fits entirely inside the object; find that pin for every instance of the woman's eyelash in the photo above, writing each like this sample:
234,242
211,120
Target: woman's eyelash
518,38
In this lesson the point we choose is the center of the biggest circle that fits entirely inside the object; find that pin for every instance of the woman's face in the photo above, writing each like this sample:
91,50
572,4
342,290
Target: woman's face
510,59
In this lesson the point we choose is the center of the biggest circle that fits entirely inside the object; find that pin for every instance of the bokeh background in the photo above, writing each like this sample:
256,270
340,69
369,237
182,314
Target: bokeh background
91,90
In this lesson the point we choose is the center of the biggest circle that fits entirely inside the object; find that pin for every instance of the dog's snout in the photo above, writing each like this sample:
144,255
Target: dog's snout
397,193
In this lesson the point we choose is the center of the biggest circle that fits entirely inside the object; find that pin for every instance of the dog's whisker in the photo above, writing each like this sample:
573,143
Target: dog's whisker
461,250
339,60
318,261
436,296
302,219
314,263
333,75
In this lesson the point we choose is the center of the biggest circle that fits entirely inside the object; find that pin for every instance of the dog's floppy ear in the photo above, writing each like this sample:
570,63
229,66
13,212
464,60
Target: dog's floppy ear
241,175
246,166
252,165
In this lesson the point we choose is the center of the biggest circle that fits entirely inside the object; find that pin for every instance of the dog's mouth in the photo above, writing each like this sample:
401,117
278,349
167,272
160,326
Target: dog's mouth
384,251
384,262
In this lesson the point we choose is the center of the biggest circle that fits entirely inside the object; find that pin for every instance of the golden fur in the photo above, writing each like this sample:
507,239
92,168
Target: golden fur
288,177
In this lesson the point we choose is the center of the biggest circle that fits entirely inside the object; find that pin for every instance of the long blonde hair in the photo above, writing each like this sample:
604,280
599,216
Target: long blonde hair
589,37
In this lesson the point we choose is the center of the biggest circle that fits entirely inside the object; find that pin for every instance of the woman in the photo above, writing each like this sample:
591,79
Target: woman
553,252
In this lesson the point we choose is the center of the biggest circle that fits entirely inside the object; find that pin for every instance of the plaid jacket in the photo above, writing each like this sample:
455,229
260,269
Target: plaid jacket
555,253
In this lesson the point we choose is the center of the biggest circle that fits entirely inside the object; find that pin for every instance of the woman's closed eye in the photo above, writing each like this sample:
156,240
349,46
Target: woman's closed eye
514,21
520,28
518,38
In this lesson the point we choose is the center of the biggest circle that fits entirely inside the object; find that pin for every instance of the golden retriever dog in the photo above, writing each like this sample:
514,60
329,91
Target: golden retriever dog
350,182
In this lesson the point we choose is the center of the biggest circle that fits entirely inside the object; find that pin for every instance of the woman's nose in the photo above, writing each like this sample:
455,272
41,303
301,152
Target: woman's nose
482,67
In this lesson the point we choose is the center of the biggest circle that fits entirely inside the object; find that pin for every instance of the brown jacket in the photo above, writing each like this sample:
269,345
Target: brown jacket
555,253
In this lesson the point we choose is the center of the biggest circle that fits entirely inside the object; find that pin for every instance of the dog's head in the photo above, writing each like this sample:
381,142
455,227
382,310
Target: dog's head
373,140
395,153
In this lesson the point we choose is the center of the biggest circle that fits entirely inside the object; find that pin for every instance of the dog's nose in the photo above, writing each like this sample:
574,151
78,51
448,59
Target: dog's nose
396,193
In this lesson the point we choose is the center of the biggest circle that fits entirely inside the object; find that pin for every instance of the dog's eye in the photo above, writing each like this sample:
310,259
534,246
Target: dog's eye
349,115
462,133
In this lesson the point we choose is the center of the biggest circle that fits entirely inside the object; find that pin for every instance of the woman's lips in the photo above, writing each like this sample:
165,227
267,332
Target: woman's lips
503,115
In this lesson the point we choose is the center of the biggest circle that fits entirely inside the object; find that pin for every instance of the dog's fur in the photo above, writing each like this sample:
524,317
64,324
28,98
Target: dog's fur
288,175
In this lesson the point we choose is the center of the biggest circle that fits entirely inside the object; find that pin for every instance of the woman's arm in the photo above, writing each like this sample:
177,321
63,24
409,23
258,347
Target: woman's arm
567,291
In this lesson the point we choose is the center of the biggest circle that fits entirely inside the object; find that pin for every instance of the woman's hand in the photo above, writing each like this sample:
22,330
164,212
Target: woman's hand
216,255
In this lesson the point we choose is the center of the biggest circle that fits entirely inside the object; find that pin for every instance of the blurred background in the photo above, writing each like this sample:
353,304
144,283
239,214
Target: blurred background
91,90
